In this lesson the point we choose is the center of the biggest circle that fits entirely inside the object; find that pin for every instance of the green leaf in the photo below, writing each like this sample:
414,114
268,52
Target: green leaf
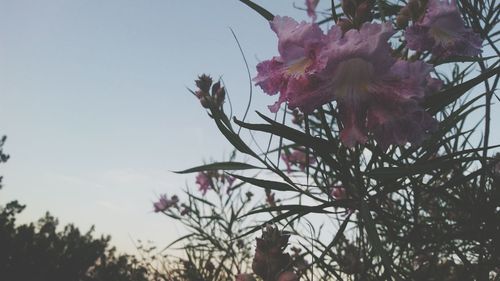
263,12
200,199
319,145
273,185
319,209
462,59
225,166
337,237
438,101
421,168
177,240
271,221
233,138
374,239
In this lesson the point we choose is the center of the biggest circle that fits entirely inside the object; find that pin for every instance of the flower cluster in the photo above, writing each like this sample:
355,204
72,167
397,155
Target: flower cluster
374,91
440,30
210,180
164,203
207,100
352,65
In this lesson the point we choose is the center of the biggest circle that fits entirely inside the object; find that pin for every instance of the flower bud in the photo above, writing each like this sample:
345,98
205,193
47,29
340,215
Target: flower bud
349,7
270,199
185,210
405,11
402,21
269,258
215,87
413,6
220,95
416,8
363,12
204,82
249,195
205,101
338,192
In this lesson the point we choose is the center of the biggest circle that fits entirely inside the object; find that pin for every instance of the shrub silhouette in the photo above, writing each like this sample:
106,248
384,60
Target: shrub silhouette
38,251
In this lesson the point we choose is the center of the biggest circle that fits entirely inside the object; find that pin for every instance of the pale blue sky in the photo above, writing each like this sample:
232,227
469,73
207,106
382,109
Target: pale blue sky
93,99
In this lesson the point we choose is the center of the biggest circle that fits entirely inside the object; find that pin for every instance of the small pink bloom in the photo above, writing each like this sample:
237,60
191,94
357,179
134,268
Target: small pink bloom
297,158
311,8
204,182
230,181
270,199
338,192
164,203
442,31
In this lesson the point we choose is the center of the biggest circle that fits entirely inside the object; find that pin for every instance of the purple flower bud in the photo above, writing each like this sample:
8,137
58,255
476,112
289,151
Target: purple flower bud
204,82
204,182
164,203
270,259
349,7
220,95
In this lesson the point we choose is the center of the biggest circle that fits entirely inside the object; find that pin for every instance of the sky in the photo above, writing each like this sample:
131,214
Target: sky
93,100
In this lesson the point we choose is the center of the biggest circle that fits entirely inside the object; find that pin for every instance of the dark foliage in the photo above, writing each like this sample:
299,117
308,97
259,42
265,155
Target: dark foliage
38,251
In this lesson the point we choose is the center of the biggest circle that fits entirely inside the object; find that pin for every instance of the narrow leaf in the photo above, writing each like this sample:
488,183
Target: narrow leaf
226,166
259,9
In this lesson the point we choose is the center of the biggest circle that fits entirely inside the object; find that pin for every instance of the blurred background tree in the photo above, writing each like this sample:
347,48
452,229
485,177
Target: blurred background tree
39,251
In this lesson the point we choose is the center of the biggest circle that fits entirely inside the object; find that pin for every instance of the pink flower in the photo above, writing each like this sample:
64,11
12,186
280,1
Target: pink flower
297,158
230,181
185,211
270,198
311,7
338,192
298,45
164,203
397,117
442,31
204,181
374,91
